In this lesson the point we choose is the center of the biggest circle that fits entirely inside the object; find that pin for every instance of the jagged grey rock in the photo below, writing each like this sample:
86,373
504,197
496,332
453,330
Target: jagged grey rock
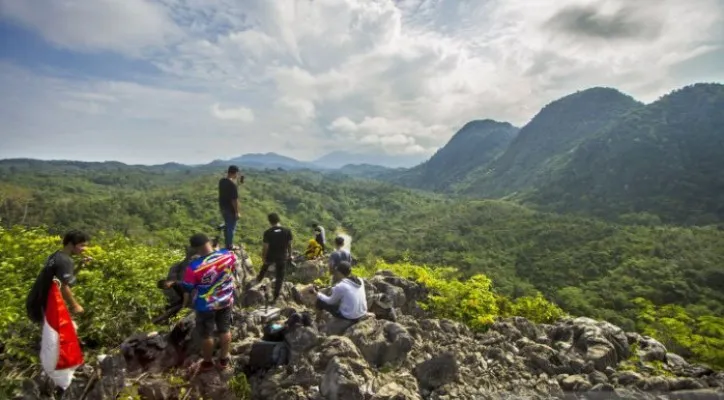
381,342
437,371
345,379
417,357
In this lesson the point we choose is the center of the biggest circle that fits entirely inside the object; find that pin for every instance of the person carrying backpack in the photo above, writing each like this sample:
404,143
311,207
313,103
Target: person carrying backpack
58,266
59,344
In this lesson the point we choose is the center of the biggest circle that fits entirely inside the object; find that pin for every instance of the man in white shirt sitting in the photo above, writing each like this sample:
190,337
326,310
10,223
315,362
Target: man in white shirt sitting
348,299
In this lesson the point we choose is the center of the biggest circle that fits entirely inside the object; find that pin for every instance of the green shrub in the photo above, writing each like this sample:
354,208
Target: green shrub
469,300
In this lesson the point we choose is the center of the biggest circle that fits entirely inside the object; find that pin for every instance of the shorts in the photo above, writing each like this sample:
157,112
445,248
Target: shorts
209,321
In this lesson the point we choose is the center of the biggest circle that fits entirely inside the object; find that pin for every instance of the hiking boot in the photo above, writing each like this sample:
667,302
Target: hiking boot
200,368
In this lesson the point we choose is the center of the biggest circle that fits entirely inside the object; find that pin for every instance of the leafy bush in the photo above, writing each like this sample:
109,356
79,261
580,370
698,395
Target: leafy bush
697,336
117,290
240,387
471,300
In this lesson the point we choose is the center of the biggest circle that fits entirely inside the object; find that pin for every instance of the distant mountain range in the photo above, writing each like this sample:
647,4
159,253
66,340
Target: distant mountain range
355,164
332,161
267,161
598,152
339,159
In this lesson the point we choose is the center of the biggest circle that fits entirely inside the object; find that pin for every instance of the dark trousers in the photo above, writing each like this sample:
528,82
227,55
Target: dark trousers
279,267
332,309
229,227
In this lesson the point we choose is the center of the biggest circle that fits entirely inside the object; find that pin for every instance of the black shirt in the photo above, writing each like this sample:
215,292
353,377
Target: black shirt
278,239
228,192
59,265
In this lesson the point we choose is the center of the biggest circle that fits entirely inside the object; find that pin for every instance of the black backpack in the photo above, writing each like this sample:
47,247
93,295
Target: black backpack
274,332
265,355
33,308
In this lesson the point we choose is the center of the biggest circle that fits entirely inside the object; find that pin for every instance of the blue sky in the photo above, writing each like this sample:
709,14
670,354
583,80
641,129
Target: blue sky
195,80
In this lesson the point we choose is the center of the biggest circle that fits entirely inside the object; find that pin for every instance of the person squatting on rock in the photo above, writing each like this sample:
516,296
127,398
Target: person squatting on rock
277,251
229,203
176,295
58,266
338,256
313,251
348,299
320,236
210,277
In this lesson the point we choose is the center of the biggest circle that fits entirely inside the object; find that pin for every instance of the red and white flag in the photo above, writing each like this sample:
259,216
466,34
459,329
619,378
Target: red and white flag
60,351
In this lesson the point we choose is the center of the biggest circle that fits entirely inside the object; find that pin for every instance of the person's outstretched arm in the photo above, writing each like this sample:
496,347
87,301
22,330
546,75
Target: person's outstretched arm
70,299
335,298
64,274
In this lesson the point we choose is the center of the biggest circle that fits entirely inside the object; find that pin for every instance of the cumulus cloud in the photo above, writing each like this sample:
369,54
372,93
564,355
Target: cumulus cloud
242,114
128,26
393,76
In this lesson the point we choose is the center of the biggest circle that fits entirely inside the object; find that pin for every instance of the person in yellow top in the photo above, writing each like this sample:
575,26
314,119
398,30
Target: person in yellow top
314,250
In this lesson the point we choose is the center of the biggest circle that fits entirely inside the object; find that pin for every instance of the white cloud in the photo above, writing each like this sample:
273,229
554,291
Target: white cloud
380,75
300,108
109,120
242,114
128,26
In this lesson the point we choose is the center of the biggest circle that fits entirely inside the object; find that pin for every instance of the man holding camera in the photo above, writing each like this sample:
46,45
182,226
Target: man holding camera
229,203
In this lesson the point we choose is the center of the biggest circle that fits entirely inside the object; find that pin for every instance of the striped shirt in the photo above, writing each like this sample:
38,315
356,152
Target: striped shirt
213,279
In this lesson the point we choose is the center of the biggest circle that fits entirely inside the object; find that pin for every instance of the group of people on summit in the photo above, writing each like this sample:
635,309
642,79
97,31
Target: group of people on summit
206,278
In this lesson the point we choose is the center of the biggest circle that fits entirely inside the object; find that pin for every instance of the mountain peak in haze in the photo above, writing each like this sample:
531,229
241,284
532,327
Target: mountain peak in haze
267,160
546,141
340,158
474,146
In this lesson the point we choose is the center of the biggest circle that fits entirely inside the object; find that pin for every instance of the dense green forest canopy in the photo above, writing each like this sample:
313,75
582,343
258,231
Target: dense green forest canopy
589,267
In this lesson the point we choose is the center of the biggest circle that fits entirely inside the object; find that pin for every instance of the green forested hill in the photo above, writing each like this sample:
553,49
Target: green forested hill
666,159
544,144
473,147
163,206
597,152
590,267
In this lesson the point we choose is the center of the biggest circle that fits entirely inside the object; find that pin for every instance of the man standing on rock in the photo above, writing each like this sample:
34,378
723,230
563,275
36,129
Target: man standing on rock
229,203
277,251
210,276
